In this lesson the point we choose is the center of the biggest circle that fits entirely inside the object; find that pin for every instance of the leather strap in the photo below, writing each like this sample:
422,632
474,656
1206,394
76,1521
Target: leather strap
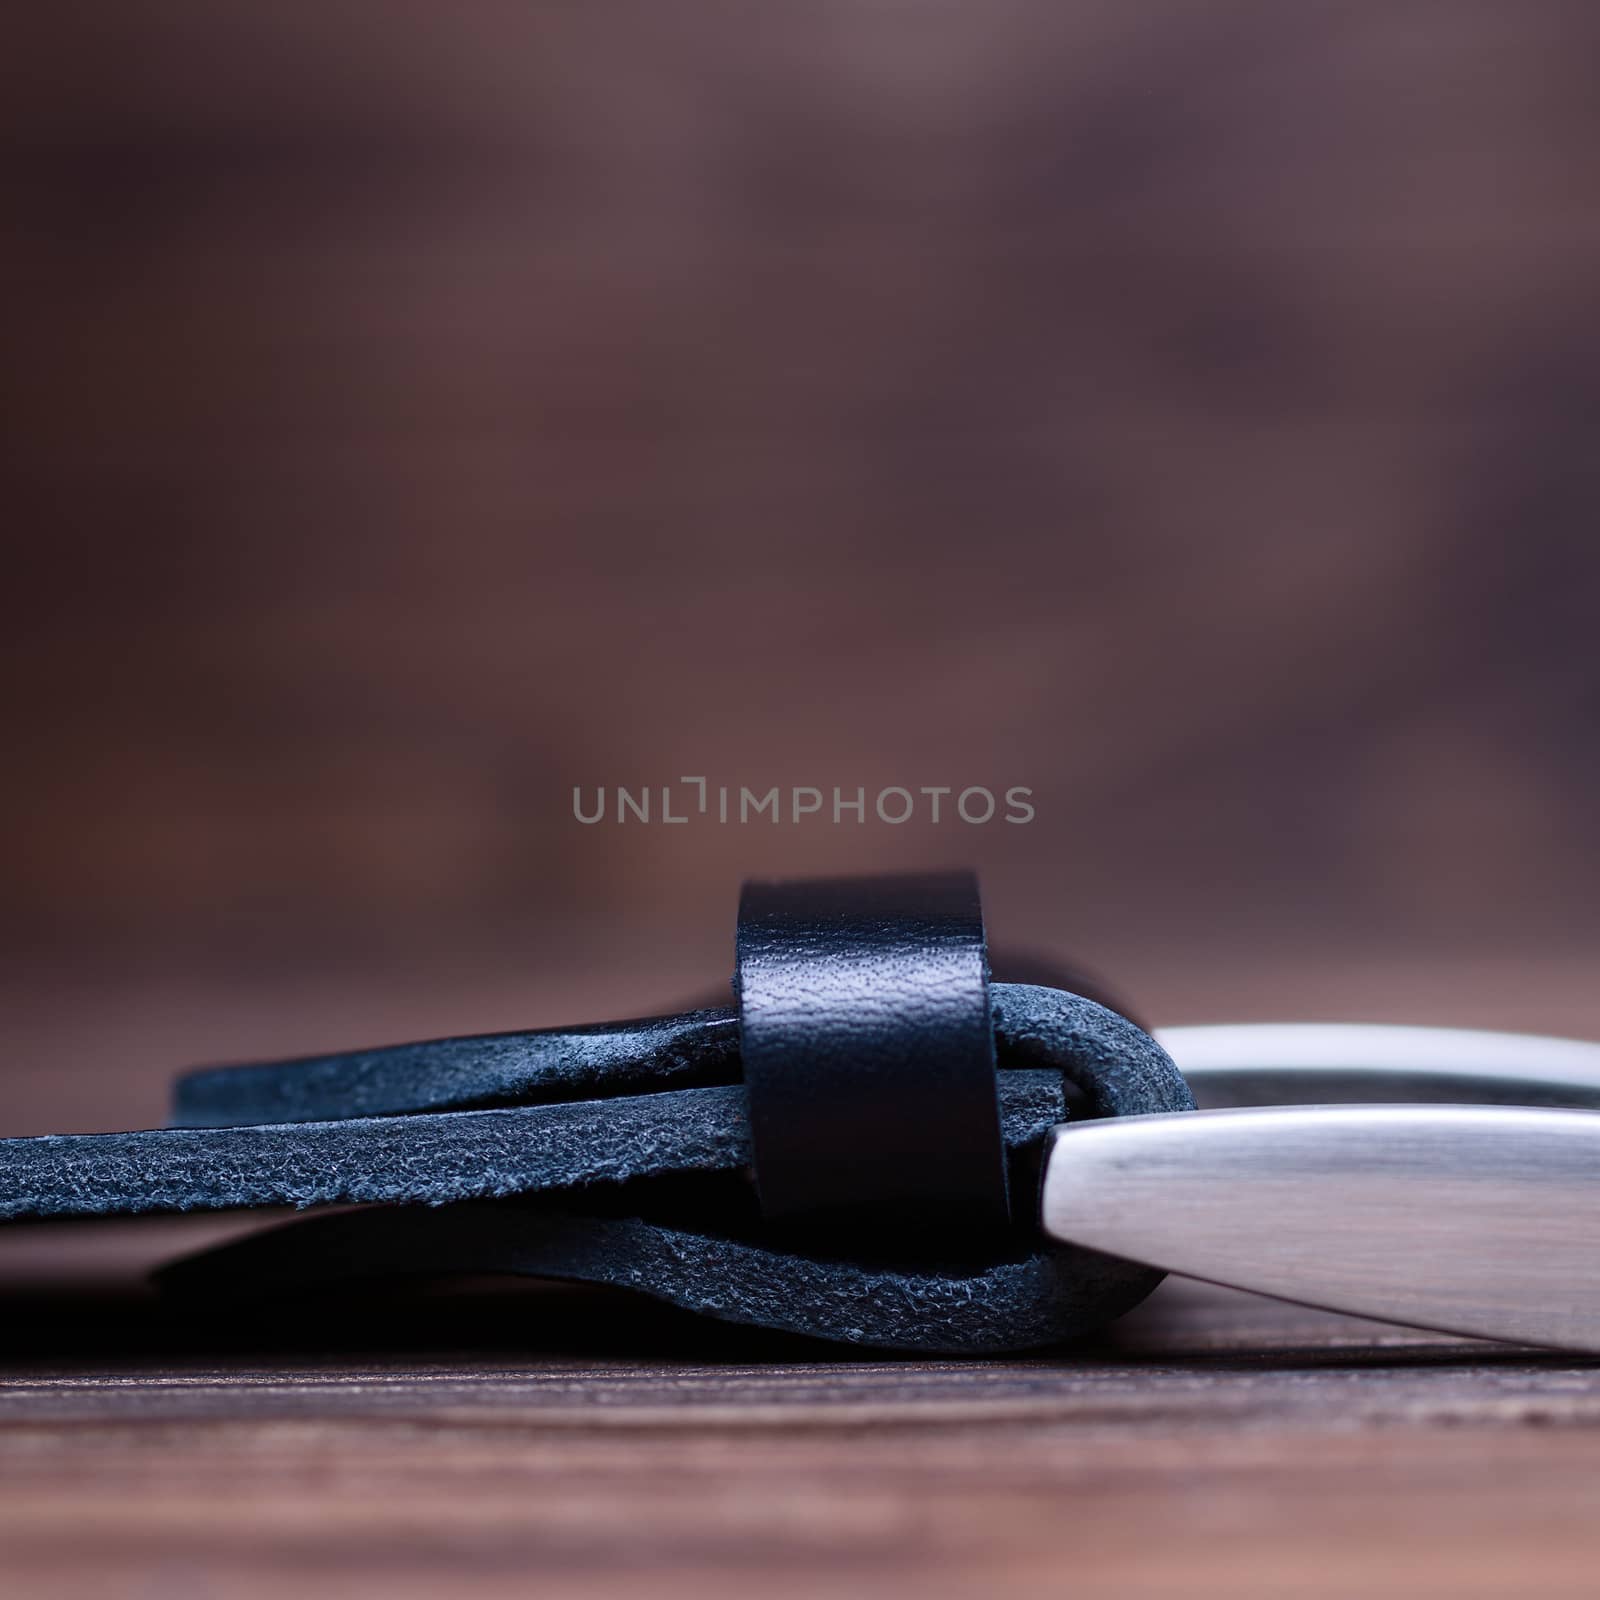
613,1154
868,1052
1019,1298
698,1241
431,1158
691,1050
1113,1065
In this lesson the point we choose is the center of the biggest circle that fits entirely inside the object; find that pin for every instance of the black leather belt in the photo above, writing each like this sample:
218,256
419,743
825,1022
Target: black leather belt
880,1146
886,1098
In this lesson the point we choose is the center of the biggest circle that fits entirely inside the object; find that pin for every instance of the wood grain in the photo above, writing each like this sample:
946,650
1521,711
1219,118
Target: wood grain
568,1443
413,412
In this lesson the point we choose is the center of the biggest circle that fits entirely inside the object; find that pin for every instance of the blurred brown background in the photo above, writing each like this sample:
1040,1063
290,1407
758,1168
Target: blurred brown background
1188,411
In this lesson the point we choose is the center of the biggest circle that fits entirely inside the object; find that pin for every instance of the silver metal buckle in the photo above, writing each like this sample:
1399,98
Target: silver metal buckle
1478,1219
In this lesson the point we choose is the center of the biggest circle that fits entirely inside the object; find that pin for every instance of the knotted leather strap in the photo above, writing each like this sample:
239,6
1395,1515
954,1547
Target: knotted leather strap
613,1154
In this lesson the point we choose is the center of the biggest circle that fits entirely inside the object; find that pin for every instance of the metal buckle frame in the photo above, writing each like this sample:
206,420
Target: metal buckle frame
1461,1197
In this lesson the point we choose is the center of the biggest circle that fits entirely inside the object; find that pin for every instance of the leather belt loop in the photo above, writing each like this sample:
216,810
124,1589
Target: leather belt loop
868,1049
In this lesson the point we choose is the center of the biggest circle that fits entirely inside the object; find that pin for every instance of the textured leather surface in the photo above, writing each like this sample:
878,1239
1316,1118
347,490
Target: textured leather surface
698,1241
618,1154
428,1159
492,1069
868,1053
1118,1068
1020,1299
613,1160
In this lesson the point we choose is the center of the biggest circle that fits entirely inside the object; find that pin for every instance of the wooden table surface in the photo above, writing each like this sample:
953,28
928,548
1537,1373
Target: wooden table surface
498,1442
